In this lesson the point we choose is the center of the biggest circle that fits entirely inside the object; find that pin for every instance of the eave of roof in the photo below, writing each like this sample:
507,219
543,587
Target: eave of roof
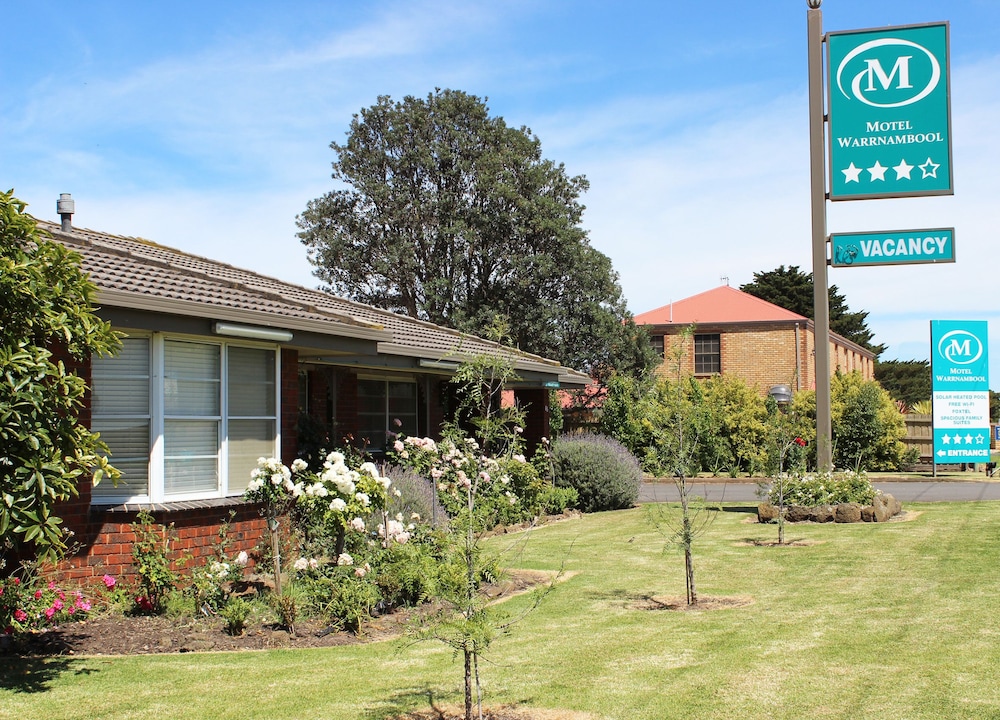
138,274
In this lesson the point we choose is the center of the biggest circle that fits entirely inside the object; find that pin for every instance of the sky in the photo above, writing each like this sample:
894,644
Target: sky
206,126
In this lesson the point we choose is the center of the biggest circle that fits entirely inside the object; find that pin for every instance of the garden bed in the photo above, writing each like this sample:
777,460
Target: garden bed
884,507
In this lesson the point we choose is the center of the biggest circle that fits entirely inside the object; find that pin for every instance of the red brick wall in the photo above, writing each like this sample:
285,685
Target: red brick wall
435,409
194,539
536,402
347,407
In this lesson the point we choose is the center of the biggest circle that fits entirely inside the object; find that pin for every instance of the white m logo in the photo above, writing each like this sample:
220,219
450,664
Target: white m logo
872,79
960,347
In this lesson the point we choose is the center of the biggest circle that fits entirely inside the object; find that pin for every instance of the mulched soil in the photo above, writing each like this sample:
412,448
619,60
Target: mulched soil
145,635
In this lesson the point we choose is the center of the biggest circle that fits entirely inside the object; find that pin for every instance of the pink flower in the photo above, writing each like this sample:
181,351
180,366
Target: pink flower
38,594
20,615
49,612
58,605
52,585
17,581
109,581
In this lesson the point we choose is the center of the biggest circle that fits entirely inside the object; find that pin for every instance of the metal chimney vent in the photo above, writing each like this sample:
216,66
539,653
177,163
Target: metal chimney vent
66,207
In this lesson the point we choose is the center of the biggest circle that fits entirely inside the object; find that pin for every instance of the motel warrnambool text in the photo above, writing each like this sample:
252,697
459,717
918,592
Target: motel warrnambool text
892,133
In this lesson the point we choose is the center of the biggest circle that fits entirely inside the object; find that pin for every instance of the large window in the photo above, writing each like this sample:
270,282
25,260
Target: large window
184,419
656,342
707,355
381,403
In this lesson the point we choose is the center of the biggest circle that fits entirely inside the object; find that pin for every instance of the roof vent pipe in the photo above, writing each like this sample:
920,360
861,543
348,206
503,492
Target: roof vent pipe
66,207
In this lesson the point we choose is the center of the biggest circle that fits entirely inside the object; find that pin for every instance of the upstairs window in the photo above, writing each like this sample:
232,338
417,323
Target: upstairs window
707,355
656,341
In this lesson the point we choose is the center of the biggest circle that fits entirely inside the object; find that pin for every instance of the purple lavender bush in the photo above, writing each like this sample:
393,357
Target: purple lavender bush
604,473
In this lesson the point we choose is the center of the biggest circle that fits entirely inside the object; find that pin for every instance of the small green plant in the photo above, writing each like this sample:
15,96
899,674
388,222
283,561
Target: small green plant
235,613
150,555
557,500
286,607
605,475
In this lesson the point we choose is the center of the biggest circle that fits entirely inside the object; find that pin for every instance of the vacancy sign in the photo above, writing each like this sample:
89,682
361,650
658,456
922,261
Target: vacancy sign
889,112
960,391
899,247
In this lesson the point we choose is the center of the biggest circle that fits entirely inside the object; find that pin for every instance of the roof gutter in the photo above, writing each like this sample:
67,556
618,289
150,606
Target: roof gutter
150,303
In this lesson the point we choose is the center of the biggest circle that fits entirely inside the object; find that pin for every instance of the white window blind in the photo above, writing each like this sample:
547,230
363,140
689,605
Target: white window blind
120,412
192,401
252,418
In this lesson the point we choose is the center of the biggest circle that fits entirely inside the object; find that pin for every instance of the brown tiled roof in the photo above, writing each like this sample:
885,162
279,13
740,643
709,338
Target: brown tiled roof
133,272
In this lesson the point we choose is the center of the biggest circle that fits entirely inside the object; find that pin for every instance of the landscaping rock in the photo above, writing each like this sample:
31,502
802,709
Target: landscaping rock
766,512
822,513
880,508
883,508
797,513
847,513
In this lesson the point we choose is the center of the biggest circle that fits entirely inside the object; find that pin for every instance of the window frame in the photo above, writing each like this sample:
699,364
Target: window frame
712,357
156,468
386,414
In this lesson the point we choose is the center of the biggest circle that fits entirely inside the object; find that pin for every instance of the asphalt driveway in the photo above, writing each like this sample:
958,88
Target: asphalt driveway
903,490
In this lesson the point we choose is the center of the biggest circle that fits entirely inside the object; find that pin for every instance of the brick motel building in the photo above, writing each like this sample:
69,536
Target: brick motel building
220,366
736,333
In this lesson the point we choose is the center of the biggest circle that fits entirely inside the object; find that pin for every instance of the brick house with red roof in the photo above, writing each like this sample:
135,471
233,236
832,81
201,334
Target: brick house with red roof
218,367
739,334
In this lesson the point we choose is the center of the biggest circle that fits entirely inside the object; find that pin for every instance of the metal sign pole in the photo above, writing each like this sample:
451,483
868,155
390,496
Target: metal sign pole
821,294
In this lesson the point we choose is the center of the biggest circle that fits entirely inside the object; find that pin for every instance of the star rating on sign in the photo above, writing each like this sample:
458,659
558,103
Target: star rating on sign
967,439
852,173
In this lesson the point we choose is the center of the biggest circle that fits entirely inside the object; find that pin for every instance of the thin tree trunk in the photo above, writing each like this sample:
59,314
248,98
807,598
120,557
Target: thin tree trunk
468,683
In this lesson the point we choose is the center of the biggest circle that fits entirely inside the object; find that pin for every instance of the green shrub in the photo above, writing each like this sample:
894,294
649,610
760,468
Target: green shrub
235,613
150,551
352,602
556,500
605,475
409,575
824,489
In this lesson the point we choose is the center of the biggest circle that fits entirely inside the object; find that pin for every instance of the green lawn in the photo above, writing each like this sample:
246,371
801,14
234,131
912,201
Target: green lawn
900,620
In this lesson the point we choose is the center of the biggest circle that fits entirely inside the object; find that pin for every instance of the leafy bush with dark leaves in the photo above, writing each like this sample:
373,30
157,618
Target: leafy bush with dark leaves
605,475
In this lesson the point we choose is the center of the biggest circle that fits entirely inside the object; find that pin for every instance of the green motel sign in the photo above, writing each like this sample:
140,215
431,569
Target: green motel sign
899,247
889,108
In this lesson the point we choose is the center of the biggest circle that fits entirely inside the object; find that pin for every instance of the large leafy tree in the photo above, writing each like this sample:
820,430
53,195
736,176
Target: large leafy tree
46,306
908,381
792,289
447,214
